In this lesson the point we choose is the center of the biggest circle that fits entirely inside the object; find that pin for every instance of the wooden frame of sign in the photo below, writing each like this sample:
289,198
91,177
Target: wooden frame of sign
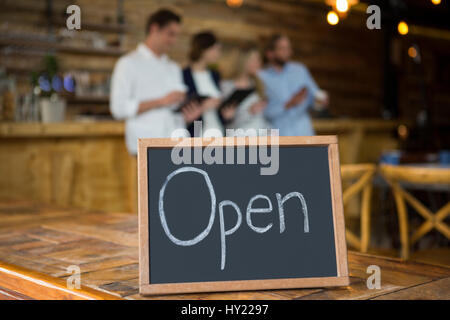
342,278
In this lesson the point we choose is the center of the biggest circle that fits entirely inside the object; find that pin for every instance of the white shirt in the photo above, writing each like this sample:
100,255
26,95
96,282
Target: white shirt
204,83
140,76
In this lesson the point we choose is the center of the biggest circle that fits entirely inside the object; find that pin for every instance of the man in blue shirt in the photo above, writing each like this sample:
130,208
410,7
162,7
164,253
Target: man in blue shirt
290,90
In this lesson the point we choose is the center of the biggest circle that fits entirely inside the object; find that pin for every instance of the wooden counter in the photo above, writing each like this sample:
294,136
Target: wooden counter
62,129
117,128
86,164
81,164
39,242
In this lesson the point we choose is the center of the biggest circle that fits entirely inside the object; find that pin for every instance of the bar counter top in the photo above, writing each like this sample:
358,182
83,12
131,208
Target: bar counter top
117,128
39,242
61,129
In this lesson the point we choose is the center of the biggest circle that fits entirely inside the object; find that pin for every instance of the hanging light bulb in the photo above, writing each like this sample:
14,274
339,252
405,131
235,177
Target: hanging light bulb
412,52
436,2
402,28
332,18
234,3
342,5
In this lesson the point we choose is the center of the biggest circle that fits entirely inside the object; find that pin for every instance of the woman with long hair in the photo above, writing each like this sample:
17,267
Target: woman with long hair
249,113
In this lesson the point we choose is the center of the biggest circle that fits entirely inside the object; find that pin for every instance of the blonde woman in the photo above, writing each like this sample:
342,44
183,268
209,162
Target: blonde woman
249,113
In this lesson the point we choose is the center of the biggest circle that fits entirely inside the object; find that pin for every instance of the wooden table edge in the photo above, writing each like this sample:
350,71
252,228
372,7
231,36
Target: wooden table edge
37,285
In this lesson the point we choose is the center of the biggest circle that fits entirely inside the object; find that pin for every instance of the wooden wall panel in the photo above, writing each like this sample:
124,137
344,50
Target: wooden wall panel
344,59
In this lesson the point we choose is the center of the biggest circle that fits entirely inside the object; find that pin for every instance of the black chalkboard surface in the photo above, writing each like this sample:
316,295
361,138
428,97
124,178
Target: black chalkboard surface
227,226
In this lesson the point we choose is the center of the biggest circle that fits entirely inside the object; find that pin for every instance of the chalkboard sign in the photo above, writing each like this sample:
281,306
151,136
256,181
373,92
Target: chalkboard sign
230,214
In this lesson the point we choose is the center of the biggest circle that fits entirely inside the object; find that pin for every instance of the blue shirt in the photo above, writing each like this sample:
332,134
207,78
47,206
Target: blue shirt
280,86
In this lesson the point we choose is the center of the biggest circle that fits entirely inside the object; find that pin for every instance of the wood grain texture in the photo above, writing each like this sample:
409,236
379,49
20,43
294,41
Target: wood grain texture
31,284
113,266
433,290
235,141
363,174
144,258
338,210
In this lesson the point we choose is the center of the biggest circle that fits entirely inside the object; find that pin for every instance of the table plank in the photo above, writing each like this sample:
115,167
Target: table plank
435,290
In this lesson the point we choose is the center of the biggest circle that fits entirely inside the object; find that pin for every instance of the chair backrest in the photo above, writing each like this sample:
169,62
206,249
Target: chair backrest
360,178
425,176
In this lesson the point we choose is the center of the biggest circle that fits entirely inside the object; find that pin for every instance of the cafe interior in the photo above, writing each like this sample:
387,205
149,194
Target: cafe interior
68,185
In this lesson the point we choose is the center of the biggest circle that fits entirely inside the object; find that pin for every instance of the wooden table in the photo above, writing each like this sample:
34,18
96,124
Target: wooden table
38,243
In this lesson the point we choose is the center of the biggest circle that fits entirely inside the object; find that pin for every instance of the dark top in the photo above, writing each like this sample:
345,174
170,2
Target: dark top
192,90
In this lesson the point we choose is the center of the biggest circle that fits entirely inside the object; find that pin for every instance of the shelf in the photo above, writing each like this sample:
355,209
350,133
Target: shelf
101,27
61,129
88,99
115,52
60,21
52,45
14,69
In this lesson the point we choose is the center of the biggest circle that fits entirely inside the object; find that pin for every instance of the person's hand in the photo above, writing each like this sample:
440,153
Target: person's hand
191,112
228,112
258,107
210,103
321,100
297,98
173,97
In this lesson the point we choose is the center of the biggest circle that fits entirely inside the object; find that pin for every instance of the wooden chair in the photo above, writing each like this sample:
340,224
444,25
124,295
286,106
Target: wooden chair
363,174
394,175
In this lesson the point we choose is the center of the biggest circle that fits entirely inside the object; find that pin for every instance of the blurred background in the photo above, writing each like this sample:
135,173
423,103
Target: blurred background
368,73
389,92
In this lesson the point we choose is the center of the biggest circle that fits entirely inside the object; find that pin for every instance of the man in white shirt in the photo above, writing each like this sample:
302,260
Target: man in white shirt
147,86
